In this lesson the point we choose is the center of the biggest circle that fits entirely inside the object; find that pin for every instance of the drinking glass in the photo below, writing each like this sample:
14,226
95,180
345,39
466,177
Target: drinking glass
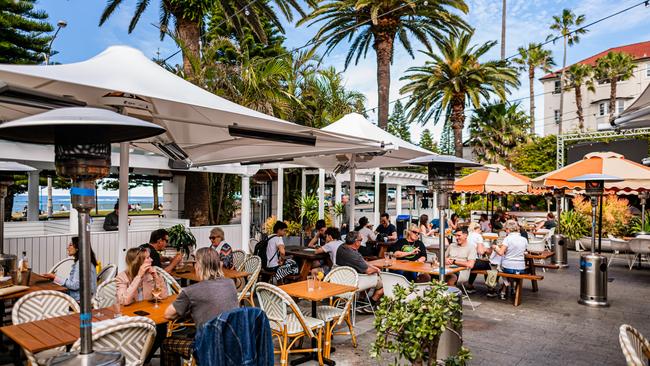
387,259
310,283
117,310
155,292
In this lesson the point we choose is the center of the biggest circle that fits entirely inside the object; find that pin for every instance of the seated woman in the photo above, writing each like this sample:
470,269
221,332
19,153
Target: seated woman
218,243
452,223
512,251
484,222
72,283
137,282
367,235
426,229
203,301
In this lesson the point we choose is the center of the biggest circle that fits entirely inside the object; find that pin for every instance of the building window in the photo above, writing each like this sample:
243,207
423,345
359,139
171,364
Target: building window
556,87
647,70
603,108
557,116
620,107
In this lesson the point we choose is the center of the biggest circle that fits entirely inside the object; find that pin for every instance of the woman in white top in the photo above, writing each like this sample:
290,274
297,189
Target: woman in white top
425,226
513,251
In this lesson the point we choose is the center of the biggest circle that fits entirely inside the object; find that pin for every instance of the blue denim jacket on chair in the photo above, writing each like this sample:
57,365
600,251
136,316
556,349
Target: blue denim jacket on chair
237,337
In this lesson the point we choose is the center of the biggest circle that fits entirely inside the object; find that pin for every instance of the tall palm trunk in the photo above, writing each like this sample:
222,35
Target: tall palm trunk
559,127
189,32
384,49
457,123
154,186
612,98
531,90
581,118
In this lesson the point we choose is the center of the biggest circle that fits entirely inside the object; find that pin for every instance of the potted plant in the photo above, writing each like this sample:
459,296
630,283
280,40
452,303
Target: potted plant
574,225
409,325
338,210
181,239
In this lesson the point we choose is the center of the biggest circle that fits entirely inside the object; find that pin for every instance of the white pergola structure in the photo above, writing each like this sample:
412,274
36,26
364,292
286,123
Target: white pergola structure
202,128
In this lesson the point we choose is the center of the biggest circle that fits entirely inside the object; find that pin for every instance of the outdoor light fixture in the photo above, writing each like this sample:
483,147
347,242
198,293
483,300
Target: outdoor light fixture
593,267
643,197
254,133
442,174
7,171
15,95
81,138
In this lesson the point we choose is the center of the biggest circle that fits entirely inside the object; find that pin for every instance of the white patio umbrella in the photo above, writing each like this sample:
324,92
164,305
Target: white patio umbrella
636,115
354,125
202,127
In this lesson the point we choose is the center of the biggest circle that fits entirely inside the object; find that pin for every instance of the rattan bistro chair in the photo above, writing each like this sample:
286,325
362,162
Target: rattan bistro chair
252,265
132,336
339,309
238,258
173,288
106,294
635,346
107,273
288,324
63,267
41,305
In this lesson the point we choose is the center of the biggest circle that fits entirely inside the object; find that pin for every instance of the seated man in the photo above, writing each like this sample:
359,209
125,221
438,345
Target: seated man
549,223
332,243
275,254
385,228
348,255
460,253
158,242
412,249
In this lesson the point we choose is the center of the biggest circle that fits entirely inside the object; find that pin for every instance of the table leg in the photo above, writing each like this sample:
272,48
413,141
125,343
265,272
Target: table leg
305,269
531,266
313,356
518,283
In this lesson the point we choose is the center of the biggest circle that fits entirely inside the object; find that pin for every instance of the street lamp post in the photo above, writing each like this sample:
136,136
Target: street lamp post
59,25
442,173
82,140
593,266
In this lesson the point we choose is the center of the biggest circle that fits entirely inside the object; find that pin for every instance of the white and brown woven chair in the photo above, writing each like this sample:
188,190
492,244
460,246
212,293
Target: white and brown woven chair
252,265
635,346
620,248
339,309
107,273
41,305
132,336
238,258
173,288
288,324
63,267
105,295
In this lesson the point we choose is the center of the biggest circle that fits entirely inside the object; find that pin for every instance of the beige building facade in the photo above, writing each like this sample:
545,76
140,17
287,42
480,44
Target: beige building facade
595,105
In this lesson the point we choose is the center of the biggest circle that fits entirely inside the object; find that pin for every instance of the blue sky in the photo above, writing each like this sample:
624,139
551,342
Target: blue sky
528,21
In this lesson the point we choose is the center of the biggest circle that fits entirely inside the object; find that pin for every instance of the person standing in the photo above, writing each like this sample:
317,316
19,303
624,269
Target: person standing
347,208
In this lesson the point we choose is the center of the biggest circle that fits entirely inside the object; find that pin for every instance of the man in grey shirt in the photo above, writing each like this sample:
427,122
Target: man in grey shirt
348,255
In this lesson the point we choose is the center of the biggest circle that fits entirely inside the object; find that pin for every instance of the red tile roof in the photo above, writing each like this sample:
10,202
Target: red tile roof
639,51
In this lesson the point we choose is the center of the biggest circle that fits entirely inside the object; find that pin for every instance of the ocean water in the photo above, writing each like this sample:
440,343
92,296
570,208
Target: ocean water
103,202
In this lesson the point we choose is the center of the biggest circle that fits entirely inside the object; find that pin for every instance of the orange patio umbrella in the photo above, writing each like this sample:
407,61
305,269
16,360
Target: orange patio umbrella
498,179
635,177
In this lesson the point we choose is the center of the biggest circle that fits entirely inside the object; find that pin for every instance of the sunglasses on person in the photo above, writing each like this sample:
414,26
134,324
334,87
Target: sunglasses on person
214,237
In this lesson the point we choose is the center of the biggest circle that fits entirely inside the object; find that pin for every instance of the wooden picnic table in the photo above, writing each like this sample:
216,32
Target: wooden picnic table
36,283
326,291
411,266
60,331
190,275
306,256
530,263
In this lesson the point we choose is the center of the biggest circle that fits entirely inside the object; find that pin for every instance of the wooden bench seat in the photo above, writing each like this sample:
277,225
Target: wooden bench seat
518,278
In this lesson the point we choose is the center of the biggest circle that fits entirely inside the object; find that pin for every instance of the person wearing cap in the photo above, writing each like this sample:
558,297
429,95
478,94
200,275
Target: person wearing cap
411,248
461,253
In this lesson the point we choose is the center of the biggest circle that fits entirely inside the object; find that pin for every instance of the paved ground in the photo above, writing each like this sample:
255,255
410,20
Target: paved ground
549,328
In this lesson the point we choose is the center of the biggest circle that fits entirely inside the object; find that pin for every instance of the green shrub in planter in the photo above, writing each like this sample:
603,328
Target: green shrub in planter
574,225
411,329
181,239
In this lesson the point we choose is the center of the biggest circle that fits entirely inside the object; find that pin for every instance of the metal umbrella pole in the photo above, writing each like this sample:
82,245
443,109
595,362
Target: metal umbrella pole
643,196
443,204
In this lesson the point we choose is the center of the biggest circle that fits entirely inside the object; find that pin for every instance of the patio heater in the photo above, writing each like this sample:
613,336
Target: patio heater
643,197
593,266
442,174
7,170
559,242
82,140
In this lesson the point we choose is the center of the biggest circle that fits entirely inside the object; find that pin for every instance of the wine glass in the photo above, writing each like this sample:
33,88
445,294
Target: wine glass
156,291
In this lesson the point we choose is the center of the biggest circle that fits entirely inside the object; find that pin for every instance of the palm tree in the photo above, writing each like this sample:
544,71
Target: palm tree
454,79
363,23
530,59
562,26
580,75
612,68
495,131
188,17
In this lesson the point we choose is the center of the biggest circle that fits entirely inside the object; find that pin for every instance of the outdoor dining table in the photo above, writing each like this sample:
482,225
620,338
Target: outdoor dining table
36,283
60,331
530,264
307,256
325,291
383,246
411,266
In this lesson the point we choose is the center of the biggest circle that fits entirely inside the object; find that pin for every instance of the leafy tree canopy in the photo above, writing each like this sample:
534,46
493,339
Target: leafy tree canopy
397,123
427,142
23,32
535,157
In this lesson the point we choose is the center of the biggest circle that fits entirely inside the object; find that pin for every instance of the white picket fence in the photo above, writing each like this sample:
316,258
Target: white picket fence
45,250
